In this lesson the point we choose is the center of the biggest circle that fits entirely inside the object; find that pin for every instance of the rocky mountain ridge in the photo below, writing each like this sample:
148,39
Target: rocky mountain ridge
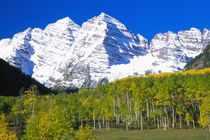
101,50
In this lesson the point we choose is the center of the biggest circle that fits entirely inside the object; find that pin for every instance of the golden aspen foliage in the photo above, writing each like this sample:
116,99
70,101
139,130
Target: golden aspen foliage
5,134
85,133
205,112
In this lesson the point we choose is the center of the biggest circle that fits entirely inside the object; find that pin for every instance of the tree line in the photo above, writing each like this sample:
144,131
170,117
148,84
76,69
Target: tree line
177,100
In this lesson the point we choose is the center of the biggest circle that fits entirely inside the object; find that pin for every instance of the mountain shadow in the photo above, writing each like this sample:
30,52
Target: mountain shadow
118,46
201,61
23,56
12,80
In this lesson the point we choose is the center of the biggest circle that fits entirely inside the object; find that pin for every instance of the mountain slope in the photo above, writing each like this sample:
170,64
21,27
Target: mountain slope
12,80
101,43
66,55
201,61
39,52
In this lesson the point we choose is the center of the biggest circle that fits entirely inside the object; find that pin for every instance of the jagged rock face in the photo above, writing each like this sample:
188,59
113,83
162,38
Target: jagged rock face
191,42
39,52
101,43
17,51
179,48
102,49
206,37
52,45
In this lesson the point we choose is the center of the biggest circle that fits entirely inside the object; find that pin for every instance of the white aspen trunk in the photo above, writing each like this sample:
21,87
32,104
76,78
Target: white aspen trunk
128,122
141,121
167,120
114,105
165,123
193,123
153,107
147,104
99,124
209,128
103,121
82,122
180,122
118,119
147,109
200,116
126,125
136,120
131,120
118,116
173,117
188,124
162,122
94,120
33,109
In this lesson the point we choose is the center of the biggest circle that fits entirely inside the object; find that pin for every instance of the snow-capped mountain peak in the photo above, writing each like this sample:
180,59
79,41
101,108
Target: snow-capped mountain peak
105,17
102,49
103,14
63,23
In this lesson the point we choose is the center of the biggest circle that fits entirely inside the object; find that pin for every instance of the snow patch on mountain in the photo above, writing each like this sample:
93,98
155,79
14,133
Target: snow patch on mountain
67,55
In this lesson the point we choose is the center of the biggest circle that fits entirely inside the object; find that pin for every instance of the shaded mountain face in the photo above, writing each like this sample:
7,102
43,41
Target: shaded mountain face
101,42
39,52
102,49
12,80
201,61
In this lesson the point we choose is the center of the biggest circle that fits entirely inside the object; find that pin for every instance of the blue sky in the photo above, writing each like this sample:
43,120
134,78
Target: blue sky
147,17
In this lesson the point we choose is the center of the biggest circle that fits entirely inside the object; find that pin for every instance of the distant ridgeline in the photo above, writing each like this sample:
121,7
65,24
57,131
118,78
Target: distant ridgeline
12,80
201,61
168,74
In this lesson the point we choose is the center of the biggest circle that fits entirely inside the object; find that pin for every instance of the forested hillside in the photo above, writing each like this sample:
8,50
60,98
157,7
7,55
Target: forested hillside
168,100
201,61
12,80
